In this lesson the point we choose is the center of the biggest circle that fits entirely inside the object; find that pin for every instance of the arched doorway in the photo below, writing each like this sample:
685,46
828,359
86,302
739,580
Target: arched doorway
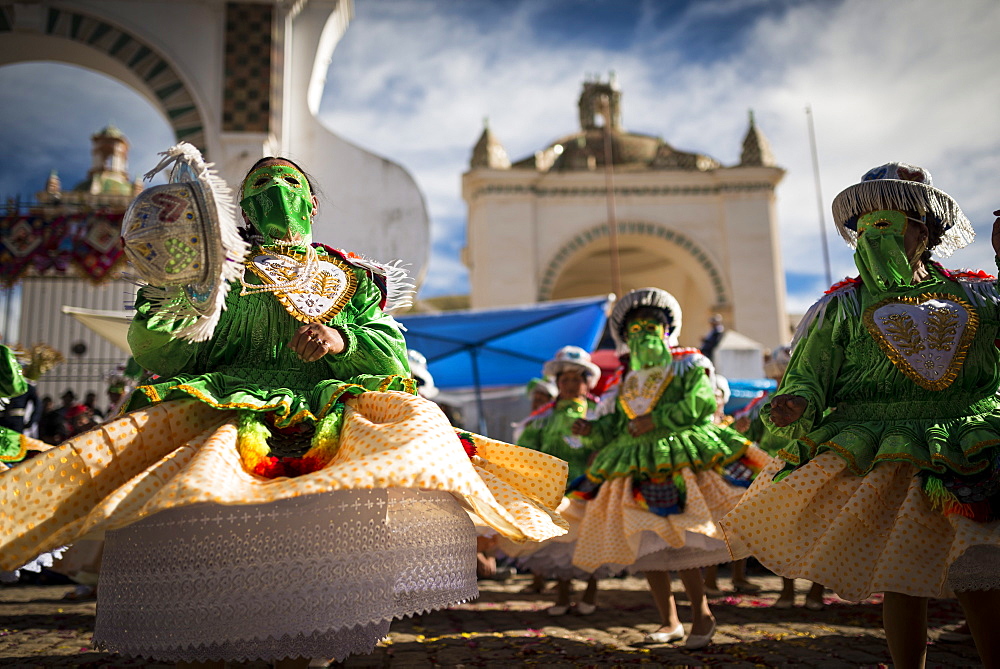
650,255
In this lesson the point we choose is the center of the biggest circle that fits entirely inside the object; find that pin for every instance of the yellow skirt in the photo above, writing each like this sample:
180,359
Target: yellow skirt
611,532
184,452
854,534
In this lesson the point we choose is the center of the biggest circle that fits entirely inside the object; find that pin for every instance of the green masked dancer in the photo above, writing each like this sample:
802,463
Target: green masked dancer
890,475
278,479
664,472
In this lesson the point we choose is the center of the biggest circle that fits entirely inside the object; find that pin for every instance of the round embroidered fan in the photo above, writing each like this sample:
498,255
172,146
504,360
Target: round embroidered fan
181,238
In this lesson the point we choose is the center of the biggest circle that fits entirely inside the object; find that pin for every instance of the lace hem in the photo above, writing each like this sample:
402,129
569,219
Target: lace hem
333,645
45,560
314,576
698,551
554,560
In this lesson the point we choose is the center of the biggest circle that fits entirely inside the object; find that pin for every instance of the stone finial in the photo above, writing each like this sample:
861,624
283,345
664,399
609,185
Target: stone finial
489,152
756,148
53,186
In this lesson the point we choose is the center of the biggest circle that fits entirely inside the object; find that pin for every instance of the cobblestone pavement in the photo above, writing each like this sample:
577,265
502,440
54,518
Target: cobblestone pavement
506,628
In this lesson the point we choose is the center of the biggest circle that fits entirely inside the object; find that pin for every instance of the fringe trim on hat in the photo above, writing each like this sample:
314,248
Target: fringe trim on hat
645,297
173,303
878,194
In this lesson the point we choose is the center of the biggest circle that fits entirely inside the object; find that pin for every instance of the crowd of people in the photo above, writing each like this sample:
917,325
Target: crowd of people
285,433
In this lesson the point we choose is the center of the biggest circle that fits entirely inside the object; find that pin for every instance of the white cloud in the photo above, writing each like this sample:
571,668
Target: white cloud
886,81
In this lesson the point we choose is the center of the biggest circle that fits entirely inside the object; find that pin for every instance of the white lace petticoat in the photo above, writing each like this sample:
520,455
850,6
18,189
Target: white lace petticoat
554,560
698,551
317,576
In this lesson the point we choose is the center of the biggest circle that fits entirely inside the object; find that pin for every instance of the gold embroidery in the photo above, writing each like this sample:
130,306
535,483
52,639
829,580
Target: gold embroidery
904,332
942,328
325,285
653,384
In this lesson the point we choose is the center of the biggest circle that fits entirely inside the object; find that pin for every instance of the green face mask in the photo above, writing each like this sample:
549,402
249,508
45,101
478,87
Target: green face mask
881,255
278,202
646,343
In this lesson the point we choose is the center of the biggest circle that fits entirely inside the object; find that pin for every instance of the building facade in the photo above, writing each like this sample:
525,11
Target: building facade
605,210
65,251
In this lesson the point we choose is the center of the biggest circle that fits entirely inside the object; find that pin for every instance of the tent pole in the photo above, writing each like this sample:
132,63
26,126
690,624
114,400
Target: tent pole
479,391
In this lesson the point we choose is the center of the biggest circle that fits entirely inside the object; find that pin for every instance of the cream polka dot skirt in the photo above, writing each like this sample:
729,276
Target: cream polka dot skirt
854,534
184,452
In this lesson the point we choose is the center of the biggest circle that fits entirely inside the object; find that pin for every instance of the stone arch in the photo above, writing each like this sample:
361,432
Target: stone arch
98,44
651,255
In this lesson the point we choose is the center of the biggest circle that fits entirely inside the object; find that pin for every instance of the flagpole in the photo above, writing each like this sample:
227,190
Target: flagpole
819,197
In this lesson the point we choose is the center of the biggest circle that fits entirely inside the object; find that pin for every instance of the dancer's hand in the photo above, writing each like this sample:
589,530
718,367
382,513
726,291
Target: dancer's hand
581,427
786,409
640,425
311,342
742,424
996,233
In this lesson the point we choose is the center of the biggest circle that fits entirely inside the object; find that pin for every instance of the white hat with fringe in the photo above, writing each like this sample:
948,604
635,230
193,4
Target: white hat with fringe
903,187
572,357
182,241
655,298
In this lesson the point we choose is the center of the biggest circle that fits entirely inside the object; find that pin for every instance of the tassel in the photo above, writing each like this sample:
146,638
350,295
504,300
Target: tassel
937,493
328,431
251,444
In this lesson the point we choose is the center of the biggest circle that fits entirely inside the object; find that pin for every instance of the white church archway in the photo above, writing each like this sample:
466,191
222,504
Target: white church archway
98,44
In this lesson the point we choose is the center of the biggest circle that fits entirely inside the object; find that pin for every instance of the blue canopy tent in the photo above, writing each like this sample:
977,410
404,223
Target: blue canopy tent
502,347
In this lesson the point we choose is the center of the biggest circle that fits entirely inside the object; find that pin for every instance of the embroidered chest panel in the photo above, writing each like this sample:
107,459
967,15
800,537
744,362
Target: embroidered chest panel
330,290
925,337
641,389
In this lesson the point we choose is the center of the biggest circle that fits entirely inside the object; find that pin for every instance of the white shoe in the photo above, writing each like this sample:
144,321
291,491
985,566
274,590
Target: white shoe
675,634
696,641
585,609
557,609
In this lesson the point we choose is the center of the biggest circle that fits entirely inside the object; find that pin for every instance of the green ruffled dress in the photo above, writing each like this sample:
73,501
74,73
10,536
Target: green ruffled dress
684,437
882,413
252,367
551,431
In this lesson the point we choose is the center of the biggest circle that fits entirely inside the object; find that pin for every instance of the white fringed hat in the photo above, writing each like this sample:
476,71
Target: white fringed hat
908,188
182,240
655,298
572,357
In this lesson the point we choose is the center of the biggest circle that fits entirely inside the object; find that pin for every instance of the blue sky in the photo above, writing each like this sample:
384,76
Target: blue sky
413,79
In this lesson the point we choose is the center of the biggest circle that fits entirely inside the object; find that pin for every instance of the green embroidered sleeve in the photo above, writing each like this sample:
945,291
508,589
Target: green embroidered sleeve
373,341
811,375
153,344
